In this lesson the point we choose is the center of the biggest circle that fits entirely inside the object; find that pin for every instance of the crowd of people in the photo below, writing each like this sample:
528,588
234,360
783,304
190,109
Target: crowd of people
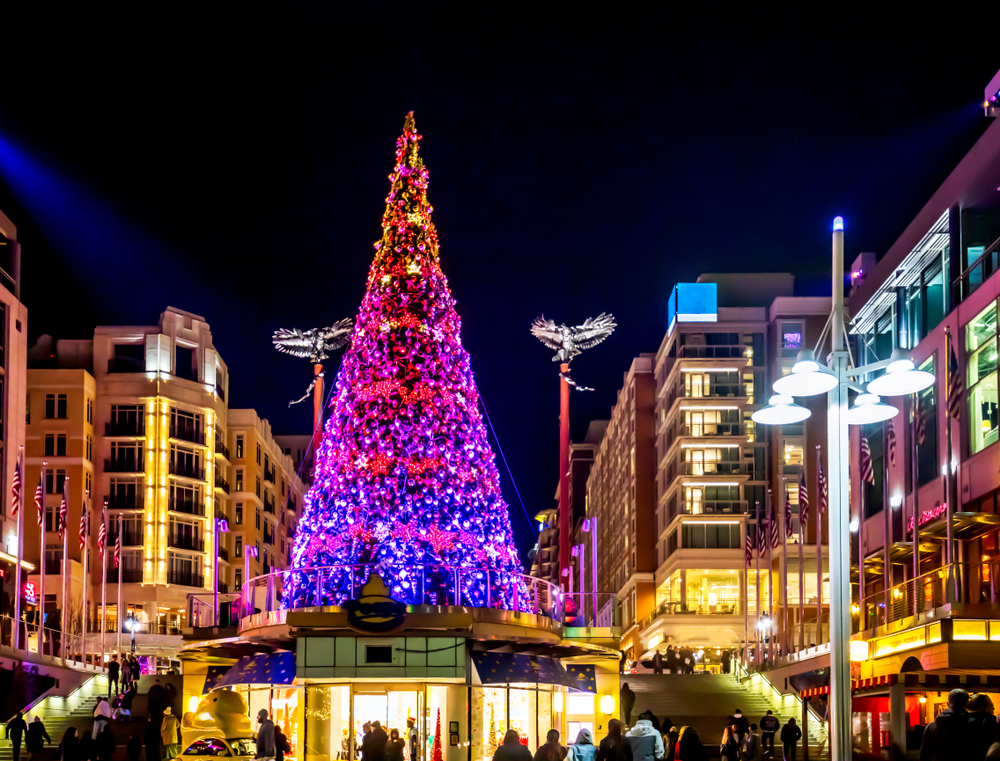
966,729
378,745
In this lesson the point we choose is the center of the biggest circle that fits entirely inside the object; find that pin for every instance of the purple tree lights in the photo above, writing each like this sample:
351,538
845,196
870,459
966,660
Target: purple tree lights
405,479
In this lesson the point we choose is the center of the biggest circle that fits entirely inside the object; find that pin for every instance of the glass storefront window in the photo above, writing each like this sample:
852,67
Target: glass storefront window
983,414
981,345
981,329
713,591
286,713
327,722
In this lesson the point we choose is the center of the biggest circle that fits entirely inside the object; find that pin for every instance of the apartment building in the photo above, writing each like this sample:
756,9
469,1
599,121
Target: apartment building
137,417
621,497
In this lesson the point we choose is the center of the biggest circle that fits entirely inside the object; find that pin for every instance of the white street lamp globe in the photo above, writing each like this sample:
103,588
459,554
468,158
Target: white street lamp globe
868,408
901,377
780,410
808,377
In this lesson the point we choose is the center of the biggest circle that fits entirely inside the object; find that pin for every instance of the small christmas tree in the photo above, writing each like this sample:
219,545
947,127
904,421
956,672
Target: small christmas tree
405,479
436,754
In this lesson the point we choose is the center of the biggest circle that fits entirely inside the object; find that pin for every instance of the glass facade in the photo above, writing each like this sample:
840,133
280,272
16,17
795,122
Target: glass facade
981,348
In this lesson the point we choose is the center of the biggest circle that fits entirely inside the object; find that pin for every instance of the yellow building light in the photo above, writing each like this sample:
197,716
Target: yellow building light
653,641
557,701
859,651
607,704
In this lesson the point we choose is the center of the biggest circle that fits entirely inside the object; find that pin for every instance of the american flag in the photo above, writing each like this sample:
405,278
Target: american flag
64,510
772,521
919,420
788,512
867,471
803,499
40,499
890,436
824,494
102,532
84,526
747,550
956,386
15,491
761,535
118,546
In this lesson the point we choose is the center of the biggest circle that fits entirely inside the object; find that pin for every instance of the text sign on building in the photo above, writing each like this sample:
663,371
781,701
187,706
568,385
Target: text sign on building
692,302
927,516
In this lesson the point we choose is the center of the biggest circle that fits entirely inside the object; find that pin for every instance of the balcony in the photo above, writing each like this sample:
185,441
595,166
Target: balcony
186,542
691,608
711,429
736,351
129,575
187,470
291,506
221,483
53,567
223,554
268,505
221,448
223,588
269,537
124,465
188,433
716,391
716,469
126,426
130,538
126,502
290,533
736,507
978,272
221,393
185,579
186,506
269,475
126,365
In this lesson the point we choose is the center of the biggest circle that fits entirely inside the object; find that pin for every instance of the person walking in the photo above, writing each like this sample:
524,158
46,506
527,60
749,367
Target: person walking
69,747
583,749
265,737
946,737
373,747
133,748
671,659
113,671
102,715
106,744
551,750
689,747
769,726
127,699
670,743
729,747
170,729
151,737
790,734
726,661
281,746
627,699
645,741
613,747
85,748
741,722
393,749
36,739
752,749
657,663
16,728
155,697
511,748
982,729
412,738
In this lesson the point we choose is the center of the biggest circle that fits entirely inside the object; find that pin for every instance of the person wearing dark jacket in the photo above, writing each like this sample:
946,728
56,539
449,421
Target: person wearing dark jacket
281,746
37,737
769,726
155,697
69,749
613,747
551,750
393,748
741,722
627,697
790,734
373,746
154,751
106,744
113,671
982,725
265,736
511,749
657,663
133,749
946,737
16,728
689,747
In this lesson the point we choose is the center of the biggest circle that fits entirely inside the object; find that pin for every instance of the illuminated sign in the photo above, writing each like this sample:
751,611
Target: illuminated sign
29,594
927,516
692,302
859,651
902,641
791,340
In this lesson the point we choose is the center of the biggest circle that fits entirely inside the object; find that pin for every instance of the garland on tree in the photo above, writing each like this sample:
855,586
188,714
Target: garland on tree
405,479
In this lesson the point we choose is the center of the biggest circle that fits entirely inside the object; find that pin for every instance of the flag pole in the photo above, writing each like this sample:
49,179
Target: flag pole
18,577
86,573
41,587
64,613
104,582
951,495
770,578
745,593
915,470
803,495
119,619
756,652
785,640
819,547
887,518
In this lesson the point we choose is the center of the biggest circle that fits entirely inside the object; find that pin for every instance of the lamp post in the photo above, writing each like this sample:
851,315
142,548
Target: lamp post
221,527
130,624
811,378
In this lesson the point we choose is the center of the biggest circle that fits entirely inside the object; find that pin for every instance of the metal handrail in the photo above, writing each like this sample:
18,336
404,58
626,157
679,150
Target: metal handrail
431,584
994,246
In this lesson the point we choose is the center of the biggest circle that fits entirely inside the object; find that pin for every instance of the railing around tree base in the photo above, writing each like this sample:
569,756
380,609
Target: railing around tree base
588,609
410,585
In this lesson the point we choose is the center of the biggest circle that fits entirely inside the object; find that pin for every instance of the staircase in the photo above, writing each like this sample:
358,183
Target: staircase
58,713
704,701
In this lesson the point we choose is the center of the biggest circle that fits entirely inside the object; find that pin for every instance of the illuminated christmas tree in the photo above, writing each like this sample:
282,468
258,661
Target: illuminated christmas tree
436,754
405,479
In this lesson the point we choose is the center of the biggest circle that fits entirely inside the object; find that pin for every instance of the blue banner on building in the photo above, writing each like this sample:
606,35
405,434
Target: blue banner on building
263,668
504,668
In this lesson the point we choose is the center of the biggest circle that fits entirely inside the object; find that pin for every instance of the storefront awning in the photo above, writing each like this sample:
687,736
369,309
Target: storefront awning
263,668
916,680
213,677
503,668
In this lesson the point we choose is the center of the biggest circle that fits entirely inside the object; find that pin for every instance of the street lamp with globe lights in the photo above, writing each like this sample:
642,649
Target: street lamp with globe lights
809,377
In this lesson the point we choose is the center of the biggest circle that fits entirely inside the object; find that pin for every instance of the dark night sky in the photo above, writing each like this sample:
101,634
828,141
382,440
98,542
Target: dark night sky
236,167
